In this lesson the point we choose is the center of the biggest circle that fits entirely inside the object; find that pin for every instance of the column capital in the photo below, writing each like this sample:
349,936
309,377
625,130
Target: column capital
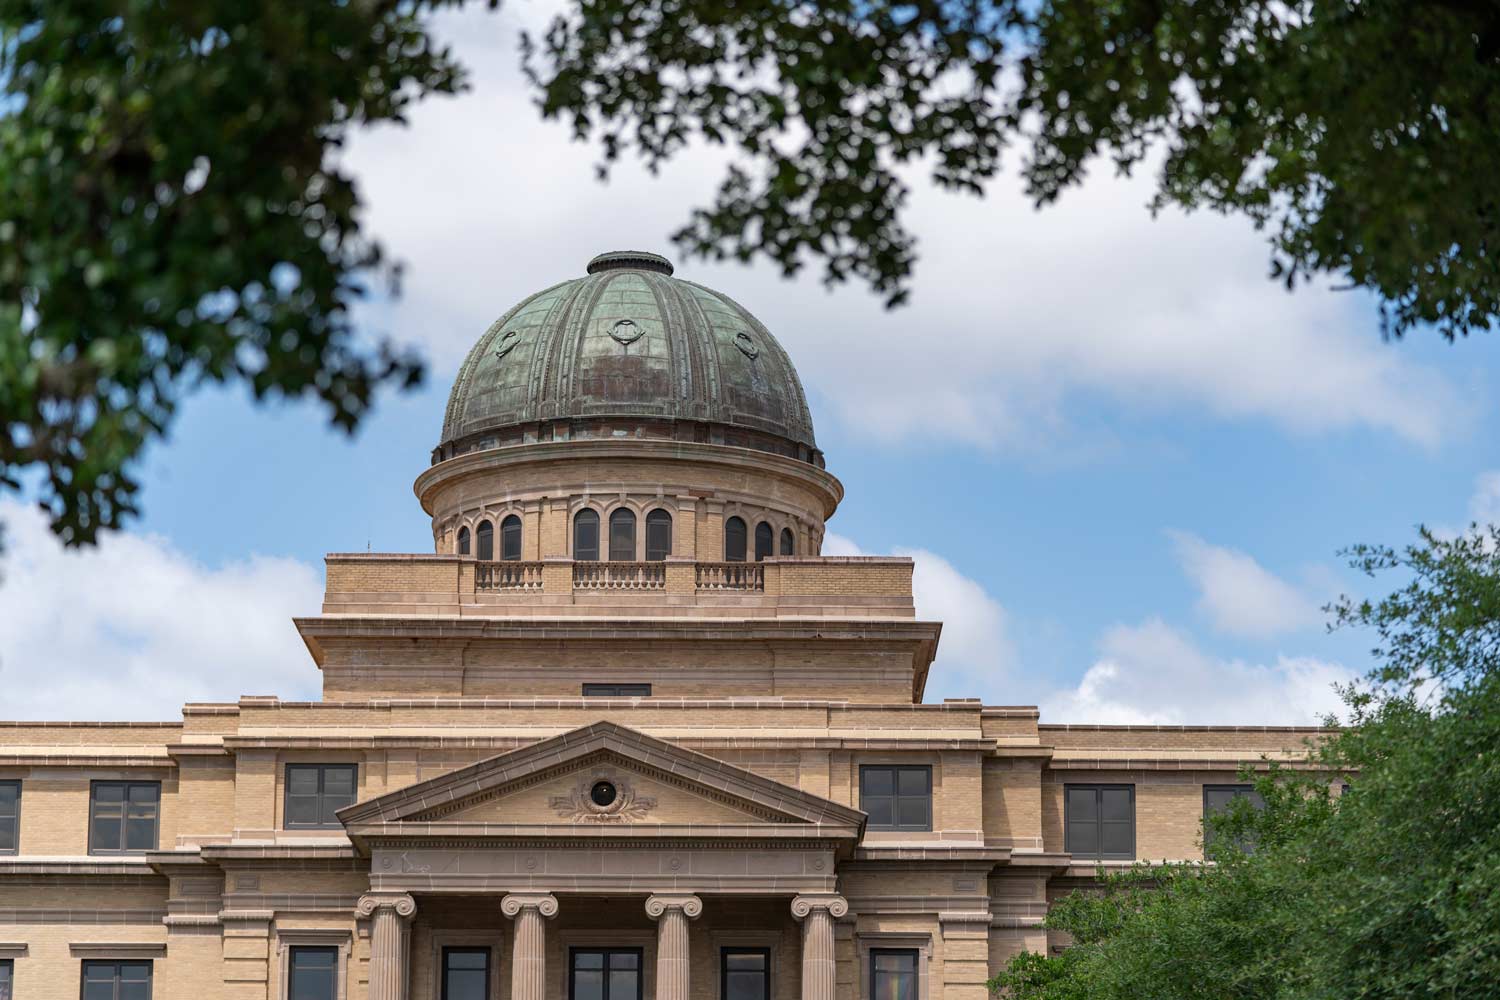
543,902
658,905
809,903
400,903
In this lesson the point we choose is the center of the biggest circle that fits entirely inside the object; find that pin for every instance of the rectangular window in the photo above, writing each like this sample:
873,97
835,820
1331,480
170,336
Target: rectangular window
123,817
116,980
10,820
312,973
466,974
604,974
314,792
1217,798
617,690
896,797
745,974
7,975
893,974
1099,821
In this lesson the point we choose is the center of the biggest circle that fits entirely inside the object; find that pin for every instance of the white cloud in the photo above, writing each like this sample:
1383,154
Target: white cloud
975,654
1017,313
134,628
1238,594
1153,674
1484,504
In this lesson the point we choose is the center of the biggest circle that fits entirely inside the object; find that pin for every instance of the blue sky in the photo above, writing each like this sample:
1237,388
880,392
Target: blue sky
1122,456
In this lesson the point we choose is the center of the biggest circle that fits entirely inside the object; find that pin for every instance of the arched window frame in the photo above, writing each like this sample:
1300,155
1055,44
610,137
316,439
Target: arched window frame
788,545
463,547
658,517
590,515
484,540
765,540
510,538
622,534
736,539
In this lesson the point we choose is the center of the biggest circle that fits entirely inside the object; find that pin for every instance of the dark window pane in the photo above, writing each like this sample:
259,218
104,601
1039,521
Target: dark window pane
463,541
1114,805
122,816
1116,840
912,781
763,536
301,810
788,542
338,782
588,984
912,813
1099,821
586,535
116,981
588,960
314,974
746,974
734,540
879,781
140,835
10,819
623,983
624,960
658,535
301,780
465,973
486,540
893,975
7,975
1083,805
510,538
109,793
622,535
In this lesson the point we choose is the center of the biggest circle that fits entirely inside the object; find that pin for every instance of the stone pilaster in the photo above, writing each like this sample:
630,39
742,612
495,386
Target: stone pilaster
390,916
672,914
819,968
528,962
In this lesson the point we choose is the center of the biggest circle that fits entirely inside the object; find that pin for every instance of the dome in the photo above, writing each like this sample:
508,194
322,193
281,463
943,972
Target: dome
628,351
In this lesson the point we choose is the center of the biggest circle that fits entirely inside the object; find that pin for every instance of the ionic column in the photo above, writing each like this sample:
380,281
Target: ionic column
819,969
672,914
528,960
390,916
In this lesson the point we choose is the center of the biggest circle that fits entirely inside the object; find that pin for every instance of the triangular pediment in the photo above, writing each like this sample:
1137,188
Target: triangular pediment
602,777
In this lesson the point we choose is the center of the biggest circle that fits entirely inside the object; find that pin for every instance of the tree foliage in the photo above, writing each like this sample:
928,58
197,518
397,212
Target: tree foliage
1360,133
171,213
1391,889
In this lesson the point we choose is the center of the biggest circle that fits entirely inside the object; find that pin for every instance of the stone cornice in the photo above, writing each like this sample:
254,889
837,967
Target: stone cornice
584,451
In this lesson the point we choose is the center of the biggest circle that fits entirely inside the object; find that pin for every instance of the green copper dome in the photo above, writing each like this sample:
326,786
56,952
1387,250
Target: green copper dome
628,350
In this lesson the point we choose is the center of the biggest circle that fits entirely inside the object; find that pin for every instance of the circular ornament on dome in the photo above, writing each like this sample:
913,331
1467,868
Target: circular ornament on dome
626,332
508,340
603,794
746,345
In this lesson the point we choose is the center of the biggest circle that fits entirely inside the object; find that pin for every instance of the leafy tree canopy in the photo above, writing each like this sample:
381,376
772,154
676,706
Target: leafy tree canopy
1359,133
1388,890
170,214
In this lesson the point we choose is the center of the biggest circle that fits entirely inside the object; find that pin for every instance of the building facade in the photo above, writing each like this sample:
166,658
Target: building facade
624,733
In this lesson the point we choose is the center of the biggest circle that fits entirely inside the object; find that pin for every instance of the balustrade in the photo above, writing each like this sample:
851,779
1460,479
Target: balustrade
619,576
508,576
731,576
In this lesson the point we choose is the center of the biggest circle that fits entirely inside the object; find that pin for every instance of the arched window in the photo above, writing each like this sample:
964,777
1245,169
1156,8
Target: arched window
734,540
486,540
622,535
510,538
586,535
658,535
788,543
463,540
763,536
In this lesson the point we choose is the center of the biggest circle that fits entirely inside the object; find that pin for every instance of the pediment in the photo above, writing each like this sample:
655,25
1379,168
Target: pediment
601,778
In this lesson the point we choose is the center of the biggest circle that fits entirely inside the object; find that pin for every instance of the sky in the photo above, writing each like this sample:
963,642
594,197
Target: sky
1123,459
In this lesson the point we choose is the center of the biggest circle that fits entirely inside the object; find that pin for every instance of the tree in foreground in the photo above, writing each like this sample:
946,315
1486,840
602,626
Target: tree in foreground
171,213
1390,889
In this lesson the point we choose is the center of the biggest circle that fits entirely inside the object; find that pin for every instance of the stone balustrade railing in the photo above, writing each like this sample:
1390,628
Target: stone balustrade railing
619,576
508,576
730,576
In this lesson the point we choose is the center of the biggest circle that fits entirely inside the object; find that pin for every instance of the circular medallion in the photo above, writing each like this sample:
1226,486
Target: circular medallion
508,340
627,331
746,345
603,794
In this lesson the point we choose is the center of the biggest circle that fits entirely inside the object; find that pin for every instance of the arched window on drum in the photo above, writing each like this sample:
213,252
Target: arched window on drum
586,535
510,538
